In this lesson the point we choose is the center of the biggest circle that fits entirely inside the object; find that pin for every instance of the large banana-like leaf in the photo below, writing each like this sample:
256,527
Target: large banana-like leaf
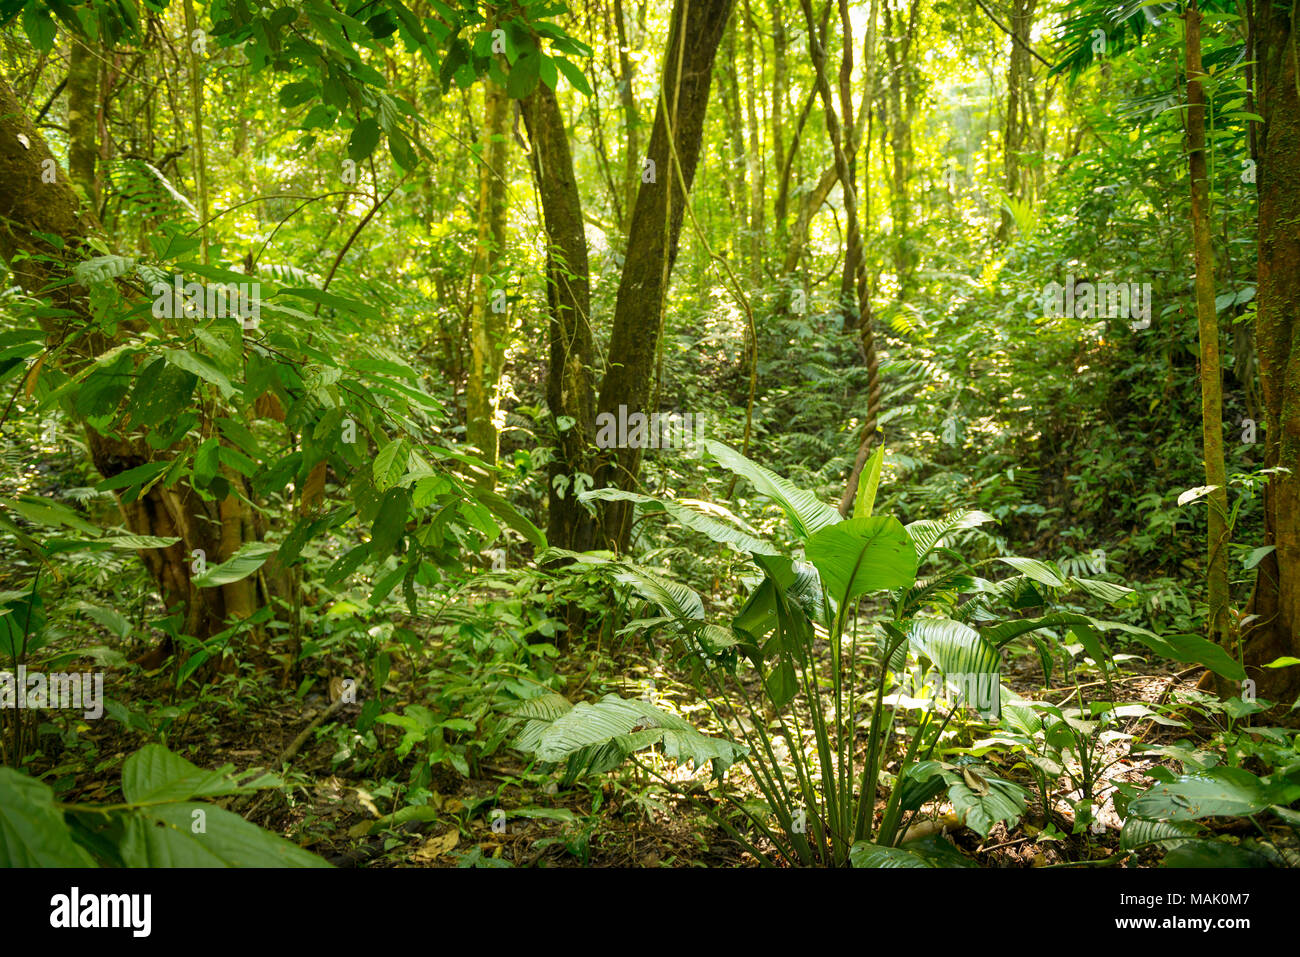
1192,649
1041,572
547,706
633,724
863,854
863,555
1018,591
1139,832
1023,719
944,589
932,851
954,648
692,518
798,581
928,533
999,634
807,513
678,600
1108,592
963,657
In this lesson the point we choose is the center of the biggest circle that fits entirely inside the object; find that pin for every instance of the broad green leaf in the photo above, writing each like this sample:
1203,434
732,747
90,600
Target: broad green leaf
524,75
981,800
364,139
390,464
390,522
48,512
692,518
675,598
1193,649
511,516
155,775
615,719
1286,661
1108,592
32,830
1218,854
204,835
868,482
863,854
963,657
929,533
1139,832
1258,555
249,558
548,706
573,73
140,475
1040,572
807,513
202,368
863,555
1230,792
162,391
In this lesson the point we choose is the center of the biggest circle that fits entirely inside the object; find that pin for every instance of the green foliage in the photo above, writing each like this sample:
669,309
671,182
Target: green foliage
157,825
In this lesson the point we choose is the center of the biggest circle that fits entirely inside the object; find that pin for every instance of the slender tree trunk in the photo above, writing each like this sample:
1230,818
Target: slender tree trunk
779,81
83,113
902,104
736,166
1018,75
632,164
757,178
1274,628
1208,328
854,250
488,323
569,391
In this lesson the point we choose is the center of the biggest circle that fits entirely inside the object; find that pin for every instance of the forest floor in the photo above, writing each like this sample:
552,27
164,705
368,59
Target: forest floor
625,819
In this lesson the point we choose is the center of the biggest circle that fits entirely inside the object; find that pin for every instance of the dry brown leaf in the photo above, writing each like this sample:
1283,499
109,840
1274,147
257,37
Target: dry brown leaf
33,373
313,490
435,847
268,406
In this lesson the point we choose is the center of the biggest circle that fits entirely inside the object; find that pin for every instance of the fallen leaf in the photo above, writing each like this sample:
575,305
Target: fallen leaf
435,847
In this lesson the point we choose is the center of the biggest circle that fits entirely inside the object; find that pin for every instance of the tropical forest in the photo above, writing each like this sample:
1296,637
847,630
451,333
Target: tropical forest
645,434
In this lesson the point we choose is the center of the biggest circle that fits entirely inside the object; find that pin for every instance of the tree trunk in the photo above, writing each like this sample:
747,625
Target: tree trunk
736,167
757,173
697,27
1275,628
778,113
627,94
856,253
31,210
83,112
1208,327
569,392
488,324
902,106
1018,74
